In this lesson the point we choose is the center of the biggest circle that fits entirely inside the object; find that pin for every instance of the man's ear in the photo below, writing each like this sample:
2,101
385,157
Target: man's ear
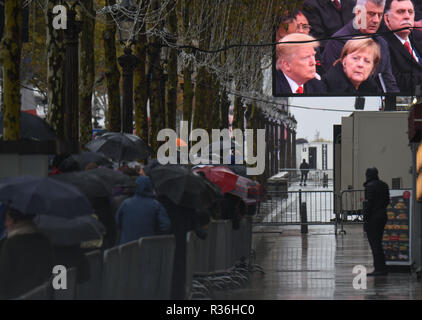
387,21
279,64
285,65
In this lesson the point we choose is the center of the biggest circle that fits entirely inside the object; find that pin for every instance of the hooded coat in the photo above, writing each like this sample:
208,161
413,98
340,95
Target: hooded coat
141,215
377,195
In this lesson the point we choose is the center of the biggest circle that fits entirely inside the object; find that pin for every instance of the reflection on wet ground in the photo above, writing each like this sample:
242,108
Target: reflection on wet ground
318,265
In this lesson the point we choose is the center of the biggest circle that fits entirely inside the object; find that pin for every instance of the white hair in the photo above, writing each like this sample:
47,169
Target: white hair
376,2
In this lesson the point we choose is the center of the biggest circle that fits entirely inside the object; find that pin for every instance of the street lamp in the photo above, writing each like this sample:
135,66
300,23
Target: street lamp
71,85
127,36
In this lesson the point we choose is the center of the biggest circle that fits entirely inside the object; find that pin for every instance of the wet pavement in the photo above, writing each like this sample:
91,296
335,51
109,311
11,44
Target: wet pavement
318,265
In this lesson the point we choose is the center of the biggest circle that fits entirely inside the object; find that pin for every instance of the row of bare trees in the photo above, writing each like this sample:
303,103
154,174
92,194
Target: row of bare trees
193,56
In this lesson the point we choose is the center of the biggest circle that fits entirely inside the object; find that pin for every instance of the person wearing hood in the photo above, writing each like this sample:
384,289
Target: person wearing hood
141,215
377,198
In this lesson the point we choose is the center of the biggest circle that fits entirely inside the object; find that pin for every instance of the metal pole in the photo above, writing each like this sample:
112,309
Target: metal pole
128,62
71,84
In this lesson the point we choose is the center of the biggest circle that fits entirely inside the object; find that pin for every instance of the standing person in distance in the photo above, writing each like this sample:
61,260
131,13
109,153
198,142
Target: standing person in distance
304,169
377,198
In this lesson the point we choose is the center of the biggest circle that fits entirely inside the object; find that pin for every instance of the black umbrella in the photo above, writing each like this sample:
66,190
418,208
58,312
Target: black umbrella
67,232
83,159
36,195
32,127
120,146
111,177
90,185
182,186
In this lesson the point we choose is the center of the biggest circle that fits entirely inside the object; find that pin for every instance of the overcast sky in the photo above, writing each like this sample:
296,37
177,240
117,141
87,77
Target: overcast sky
311,121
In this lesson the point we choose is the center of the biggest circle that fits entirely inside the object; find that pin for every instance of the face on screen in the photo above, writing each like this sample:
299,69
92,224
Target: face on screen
358,65
301,66
374,15
400,15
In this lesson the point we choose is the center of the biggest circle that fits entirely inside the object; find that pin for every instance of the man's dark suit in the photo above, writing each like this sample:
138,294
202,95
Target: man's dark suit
418,10
406,70
324,17
282,87
333,50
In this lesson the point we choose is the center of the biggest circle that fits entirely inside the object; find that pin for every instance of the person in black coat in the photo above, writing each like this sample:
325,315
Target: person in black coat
26,256
325,18
334,47
182,220
296,66
377,198
406,67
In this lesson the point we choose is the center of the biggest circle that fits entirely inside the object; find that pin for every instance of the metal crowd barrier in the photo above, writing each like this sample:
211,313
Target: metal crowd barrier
284,208
315,177
219,261
351,207
143,269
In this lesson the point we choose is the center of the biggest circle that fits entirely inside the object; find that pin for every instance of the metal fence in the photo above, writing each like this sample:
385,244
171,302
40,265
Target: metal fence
315,177
284,208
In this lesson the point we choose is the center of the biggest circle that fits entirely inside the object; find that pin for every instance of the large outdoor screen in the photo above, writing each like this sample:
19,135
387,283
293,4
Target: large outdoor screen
364,49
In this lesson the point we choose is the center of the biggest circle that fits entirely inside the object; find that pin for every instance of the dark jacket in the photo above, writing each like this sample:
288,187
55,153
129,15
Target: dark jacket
333,49
282,86
324,17
26,261
182,221
377,196
336,81
304,167
141,215
406,70
73,257
418,10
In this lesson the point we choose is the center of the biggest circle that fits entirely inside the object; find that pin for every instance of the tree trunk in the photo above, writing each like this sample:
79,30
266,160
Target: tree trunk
140,87
188,89
86,72
200,118
112,74
171,88
55,73
238,113
157,109
11,48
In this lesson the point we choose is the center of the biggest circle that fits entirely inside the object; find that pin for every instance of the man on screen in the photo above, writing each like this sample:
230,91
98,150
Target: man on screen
368,17
326,17
405,51
296,66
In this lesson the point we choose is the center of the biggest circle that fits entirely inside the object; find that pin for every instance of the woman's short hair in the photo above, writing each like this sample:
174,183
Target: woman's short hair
361,44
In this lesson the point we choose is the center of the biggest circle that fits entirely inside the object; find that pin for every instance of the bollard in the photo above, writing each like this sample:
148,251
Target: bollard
303,218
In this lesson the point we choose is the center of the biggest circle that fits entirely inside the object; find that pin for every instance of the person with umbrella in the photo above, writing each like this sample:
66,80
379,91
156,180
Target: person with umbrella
184,195
49,199
141,215
26,256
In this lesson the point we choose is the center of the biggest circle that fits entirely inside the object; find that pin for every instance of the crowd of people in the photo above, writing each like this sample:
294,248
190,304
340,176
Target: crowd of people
350,47
131,212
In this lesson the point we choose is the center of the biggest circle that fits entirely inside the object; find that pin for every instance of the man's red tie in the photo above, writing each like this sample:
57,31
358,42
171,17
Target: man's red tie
299,90
337,4
407,46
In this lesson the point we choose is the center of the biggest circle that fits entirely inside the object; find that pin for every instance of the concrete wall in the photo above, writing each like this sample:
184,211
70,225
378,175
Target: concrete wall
372,138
